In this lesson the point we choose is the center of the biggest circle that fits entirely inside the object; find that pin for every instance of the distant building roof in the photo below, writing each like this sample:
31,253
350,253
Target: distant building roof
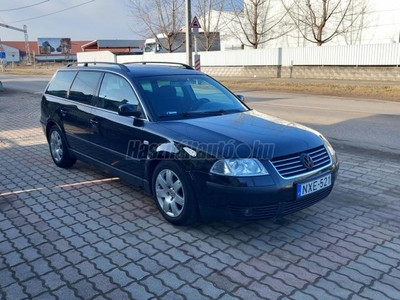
33,46
8,48
116,46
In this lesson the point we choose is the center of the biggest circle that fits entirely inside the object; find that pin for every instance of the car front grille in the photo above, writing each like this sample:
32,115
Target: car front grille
259,212
277,210
293,206
291,165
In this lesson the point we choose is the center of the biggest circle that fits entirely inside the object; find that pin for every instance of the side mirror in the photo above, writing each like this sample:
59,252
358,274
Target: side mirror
129,110
241,98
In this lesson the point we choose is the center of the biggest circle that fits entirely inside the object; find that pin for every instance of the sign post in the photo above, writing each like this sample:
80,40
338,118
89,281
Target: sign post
3,61
188,7
195,26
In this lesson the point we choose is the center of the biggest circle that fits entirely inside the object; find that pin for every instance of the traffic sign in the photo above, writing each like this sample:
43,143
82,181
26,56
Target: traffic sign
2,55
195,23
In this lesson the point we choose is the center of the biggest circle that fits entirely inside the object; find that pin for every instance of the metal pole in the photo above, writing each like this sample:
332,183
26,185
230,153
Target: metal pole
28,50
188,7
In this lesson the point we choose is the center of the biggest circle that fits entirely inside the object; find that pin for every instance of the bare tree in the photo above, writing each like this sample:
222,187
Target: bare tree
320,21
210,14
256,22
161,19
360,18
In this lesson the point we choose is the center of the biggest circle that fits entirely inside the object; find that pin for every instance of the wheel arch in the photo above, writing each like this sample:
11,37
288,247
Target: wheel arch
152,164
190,210
49,125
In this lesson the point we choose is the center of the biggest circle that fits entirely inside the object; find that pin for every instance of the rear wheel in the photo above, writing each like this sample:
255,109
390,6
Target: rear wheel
174,194
58,148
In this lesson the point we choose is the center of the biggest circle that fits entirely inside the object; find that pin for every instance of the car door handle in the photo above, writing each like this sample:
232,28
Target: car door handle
63,112
94,122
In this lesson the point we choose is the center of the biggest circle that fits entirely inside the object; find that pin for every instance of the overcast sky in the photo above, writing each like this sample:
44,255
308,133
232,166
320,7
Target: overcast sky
111,19
97,19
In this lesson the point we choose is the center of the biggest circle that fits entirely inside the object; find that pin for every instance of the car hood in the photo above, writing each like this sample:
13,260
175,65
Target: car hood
246,134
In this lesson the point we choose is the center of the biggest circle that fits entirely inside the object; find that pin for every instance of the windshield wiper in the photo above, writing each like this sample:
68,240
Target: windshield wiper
200,113
211,112
225,111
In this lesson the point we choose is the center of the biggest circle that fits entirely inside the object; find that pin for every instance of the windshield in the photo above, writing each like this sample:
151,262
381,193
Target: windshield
183,96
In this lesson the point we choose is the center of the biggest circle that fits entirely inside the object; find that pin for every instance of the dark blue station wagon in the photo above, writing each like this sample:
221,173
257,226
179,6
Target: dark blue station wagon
184,137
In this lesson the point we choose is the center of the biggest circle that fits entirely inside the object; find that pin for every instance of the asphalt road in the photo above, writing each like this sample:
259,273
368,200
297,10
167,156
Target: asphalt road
368,124
24,83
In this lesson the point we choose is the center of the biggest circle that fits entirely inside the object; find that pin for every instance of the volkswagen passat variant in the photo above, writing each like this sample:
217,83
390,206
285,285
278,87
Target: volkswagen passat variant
184,137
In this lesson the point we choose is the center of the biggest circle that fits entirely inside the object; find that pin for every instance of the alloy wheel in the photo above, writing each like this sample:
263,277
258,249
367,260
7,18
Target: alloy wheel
170,193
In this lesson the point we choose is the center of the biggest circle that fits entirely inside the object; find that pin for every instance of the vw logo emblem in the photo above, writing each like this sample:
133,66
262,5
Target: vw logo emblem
307,161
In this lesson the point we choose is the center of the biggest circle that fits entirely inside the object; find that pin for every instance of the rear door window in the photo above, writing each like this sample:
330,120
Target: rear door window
85,86
61,83
115,91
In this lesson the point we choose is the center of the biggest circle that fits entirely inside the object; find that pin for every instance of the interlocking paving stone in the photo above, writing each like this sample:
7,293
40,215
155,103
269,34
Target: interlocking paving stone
193,292
356,275
14,291
85,289
374,294
185,273
264,291
103,283
170,279
318,293
278,285
388,290
66,234
119,277
118,294
236,276
199,268
6,278
244,293
34,287
139,292
70,274
52,280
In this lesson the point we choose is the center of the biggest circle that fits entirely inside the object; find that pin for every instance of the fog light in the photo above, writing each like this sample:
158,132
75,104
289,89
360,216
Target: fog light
248,212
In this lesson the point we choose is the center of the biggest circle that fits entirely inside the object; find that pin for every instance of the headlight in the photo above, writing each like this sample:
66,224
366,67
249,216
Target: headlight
239,167
328,146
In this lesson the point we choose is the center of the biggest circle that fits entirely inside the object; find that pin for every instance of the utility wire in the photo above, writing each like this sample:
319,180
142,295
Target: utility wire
22,7
55,12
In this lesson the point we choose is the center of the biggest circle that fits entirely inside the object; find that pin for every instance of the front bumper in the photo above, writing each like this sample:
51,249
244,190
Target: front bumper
249,198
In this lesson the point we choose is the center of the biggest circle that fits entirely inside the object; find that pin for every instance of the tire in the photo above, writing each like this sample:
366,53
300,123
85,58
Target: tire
59,149
174,194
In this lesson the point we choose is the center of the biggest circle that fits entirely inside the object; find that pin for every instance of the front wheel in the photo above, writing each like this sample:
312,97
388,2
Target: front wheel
174,194
59,149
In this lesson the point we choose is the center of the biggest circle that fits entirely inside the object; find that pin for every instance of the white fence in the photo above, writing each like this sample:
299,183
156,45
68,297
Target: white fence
355,55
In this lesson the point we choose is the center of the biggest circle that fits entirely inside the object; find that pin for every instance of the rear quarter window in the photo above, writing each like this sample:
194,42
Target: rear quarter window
60,84
84,86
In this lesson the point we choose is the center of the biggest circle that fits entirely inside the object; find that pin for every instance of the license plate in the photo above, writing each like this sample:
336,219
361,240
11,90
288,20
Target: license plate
306,188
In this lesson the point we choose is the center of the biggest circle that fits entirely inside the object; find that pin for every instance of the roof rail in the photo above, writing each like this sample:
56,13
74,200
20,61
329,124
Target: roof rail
185,66
86,64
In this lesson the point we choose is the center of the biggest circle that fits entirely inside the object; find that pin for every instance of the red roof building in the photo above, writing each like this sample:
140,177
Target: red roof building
115,46
76,46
